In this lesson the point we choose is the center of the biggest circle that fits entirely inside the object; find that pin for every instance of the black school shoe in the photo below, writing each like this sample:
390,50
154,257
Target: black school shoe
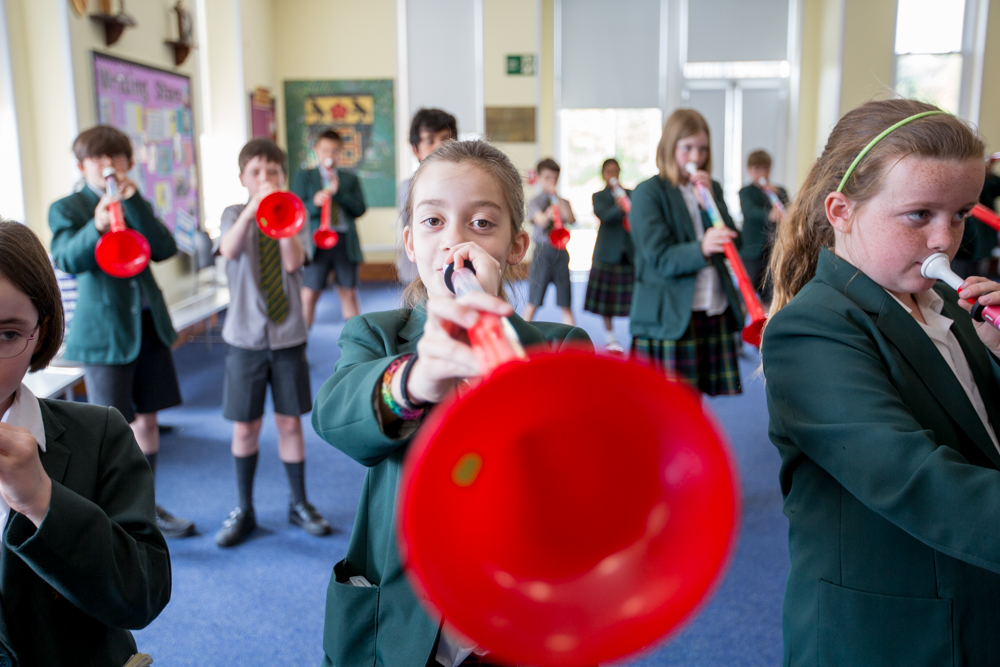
173,526
236,527
305,516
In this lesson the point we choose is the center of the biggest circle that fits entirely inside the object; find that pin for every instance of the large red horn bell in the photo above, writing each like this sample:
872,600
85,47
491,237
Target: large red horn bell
281,214
555,531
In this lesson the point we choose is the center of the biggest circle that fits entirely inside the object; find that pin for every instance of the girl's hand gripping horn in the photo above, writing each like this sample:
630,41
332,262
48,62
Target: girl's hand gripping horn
492,338
623,201
753,331
937,267
528,528
121,252
559,236
771,195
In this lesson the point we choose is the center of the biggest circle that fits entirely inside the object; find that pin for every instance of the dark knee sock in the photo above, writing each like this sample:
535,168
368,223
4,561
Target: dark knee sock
296,480
246,466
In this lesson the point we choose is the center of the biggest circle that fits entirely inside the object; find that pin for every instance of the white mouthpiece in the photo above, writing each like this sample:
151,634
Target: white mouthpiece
690,167
108,171
328,162
613,181
761,181
938,267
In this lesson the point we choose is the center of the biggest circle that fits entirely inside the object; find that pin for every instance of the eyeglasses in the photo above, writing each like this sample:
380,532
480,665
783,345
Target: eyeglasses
13,342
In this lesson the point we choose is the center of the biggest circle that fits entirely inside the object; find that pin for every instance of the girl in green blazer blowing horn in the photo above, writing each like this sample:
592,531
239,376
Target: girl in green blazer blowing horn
884,401
466,203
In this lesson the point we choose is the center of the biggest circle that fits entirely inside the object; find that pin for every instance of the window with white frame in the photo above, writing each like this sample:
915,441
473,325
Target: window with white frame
929,51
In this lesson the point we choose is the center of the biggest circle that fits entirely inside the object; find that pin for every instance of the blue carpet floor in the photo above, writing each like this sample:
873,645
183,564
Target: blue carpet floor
262,603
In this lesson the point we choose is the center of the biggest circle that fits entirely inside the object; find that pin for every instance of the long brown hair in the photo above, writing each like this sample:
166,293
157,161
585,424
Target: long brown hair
805,230
494,163
24,263
682,124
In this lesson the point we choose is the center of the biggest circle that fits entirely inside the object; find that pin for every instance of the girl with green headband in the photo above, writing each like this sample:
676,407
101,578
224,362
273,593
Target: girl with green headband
884,401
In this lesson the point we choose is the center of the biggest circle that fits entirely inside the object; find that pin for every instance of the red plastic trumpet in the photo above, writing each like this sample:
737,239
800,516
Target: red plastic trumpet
281,215
122,252
938,267
986,215
325,237
531,530
752,332
623,201
772,196
559,236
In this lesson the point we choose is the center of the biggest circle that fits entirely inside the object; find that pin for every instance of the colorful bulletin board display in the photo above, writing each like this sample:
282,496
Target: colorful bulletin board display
262,115
362,113
153,107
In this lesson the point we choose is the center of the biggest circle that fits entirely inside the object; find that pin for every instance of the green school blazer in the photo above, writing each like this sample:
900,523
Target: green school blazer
757,229
667,259
349,196
612,239
97,564
107,323
384,624
890,480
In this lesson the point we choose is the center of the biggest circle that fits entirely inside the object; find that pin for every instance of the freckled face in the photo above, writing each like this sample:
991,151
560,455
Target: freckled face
453,204
919,211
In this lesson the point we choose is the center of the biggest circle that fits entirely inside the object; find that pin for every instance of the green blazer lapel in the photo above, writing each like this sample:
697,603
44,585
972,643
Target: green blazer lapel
914,345
921,353
980,361
683,225
530,336
88,199
412,330
55,458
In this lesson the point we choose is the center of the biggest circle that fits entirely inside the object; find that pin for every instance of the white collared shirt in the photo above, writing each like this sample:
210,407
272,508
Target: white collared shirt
708,293
26,413
938,329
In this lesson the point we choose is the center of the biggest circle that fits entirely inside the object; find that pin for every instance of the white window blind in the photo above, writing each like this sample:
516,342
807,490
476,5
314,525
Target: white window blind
737,30
610,54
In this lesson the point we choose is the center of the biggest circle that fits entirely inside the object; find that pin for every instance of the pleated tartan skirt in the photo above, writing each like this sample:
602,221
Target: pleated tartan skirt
706,356
609,289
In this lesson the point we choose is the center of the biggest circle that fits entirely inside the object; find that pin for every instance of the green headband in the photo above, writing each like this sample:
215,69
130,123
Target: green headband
871,144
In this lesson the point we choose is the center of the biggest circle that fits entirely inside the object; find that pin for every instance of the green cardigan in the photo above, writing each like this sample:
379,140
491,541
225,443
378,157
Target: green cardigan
612,239
385,624
757,229
890,480
107,322
667,259
349,196
97,564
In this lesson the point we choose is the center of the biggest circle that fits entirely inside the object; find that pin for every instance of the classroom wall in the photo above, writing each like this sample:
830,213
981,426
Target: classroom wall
989,108
338,39
509,27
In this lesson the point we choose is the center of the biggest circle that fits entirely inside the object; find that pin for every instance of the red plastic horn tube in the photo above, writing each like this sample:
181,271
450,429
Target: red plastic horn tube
121,252
525,524
559,236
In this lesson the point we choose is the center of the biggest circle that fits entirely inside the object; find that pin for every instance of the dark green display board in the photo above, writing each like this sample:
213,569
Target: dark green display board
362,112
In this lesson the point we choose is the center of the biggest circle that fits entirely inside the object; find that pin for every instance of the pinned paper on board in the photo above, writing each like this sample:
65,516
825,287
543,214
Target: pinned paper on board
153,107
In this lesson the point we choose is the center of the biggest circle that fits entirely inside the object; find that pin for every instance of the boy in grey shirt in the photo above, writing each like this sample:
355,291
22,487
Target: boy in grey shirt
548,265
266,337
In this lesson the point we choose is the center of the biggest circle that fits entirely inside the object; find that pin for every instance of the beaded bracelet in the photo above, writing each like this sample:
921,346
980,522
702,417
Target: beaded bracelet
400,411
404,386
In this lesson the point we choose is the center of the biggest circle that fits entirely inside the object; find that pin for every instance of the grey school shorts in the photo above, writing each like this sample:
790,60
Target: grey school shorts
549,266
148,384
315,275
248,372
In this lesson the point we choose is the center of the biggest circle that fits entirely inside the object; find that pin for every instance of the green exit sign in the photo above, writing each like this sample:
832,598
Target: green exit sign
521,65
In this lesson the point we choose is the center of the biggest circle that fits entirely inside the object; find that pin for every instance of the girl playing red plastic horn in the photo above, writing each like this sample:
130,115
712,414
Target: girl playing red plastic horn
466,203
884,399
685,307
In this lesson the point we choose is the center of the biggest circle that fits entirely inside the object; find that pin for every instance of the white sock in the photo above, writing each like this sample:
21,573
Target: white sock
609,336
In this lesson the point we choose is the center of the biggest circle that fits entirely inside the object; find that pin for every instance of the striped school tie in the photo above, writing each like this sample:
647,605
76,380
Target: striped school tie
270,278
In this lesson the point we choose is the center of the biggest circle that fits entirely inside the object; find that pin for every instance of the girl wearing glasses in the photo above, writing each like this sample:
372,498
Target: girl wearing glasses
82,557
